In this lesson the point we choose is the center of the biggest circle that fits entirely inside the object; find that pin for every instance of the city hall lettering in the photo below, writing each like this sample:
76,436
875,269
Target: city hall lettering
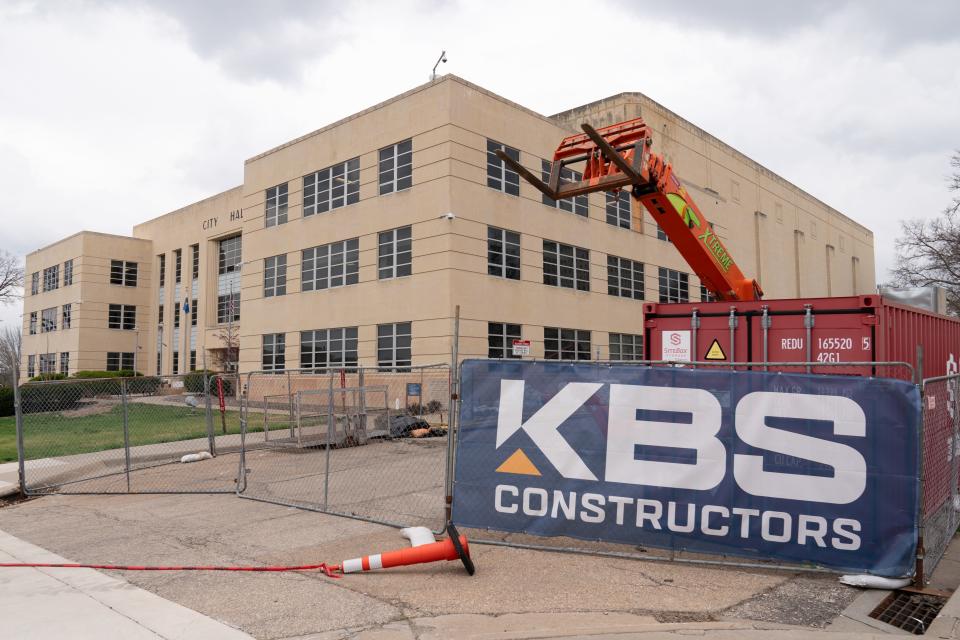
625,432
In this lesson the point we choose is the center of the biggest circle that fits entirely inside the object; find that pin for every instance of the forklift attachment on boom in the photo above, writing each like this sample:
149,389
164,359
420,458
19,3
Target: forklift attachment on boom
619,157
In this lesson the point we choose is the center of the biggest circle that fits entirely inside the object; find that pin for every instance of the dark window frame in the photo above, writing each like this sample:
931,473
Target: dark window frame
566,266
503,253
500,337
499,176
327,266
395,167
561,342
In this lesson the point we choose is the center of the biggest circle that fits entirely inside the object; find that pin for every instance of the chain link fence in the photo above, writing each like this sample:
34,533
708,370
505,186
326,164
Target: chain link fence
940,507
128,435
365,443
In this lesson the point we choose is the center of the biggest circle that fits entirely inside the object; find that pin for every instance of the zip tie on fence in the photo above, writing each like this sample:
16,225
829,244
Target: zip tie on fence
330,572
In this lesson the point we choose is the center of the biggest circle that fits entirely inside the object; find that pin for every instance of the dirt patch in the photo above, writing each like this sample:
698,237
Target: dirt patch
16,498
803,600
93,407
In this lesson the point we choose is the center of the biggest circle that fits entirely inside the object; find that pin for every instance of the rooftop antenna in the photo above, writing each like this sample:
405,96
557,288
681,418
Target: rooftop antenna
442,58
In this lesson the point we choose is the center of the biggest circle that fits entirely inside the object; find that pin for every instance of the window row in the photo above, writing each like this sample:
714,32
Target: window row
323,349
338,264
47,363
339,185
568,266
51,278
561,343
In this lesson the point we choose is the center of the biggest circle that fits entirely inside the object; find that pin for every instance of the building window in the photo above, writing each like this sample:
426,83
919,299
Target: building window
566,344
31,366
176,315
65,363
228,279
177,266
500,337
393,346
176,362
330,265
323,348
193,360
35,283
577,204
499,176
661,234
33,323
51,278
122,360
163,268
276,206
68,274
193,312
123,273
122,316
67,316
158,363
624,278
273,351
160,315
625,346
195,256
396,167
228,255
48,363
706,296
228,308
275,276
333,187
503,253
48,320
395,253
673,286
618,209
566,266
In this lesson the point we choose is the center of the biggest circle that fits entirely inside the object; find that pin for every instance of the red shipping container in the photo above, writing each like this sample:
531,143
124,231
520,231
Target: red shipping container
863,328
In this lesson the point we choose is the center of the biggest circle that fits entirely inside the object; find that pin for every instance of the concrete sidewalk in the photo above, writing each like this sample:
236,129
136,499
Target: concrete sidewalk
83,603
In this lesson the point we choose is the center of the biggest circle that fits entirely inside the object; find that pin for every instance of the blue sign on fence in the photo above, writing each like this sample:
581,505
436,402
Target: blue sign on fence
798,468
413,390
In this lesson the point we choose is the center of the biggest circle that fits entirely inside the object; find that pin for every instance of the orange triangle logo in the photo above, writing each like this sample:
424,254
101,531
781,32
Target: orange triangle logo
518,463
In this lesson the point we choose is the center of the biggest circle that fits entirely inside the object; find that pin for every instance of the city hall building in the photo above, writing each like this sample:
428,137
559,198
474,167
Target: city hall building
356,242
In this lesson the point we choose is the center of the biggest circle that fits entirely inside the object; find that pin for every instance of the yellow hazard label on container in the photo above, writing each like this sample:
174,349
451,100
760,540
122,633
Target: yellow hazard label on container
715,352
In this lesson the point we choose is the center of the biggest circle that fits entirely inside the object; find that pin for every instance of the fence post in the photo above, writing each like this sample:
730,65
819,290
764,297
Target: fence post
331,428
18,418
918,578
126,429
211,441
452,415
290,405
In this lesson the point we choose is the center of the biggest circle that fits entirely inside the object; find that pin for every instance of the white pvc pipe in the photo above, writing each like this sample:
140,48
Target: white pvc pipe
196,457
418,536
874,582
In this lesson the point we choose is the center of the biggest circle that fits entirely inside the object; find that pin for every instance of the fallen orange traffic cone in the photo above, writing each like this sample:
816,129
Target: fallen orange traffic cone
454,547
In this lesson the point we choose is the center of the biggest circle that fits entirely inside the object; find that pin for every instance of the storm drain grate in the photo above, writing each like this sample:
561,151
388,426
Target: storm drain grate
912,612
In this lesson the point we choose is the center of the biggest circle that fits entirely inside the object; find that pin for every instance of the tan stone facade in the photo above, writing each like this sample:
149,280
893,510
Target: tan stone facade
349,266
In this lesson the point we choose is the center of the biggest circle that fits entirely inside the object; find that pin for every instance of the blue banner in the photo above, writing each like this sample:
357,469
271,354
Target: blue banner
797,468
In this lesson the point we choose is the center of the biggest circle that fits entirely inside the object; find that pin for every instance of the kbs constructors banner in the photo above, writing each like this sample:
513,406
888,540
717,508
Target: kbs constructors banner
798,468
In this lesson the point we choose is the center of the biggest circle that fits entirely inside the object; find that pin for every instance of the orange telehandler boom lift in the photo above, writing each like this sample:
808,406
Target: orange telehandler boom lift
619,157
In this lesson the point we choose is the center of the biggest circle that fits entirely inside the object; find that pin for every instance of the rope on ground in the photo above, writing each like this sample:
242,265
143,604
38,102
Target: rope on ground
330,571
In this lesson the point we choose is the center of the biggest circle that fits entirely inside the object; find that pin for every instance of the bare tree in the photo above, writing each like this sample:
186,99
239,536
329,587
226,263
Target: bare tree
9,354
225,357
11,278
928,251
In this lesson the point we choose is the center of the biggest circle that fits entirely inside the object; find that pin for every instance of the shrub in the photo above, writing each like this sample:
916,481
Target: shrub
6,401
144,384
37,398
126,373
48,376
193,382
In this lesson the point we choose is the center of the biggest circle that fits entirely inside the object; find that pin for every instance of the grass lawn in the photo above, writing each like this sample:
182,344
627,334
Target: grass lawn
54,434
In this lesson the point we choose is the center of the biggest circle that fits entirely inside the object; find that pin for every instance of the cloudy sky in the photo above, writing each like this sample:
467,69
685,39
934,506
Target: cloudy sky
113,112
